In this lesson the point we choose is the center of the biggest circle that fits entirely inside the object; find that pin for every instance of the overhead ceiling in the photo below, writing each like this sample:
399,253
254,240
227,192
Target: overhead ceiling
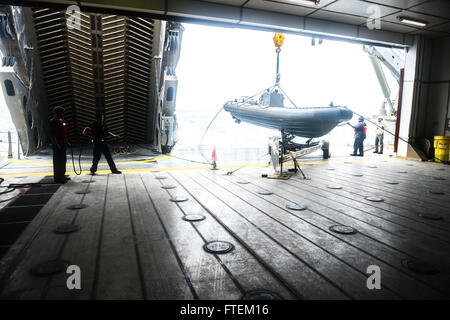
355,12
340,19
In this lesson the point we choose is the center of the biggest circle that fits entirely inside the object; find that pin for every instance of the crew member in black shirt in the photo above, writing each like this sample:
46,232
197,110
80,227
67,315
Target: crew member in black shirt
58,136
99,131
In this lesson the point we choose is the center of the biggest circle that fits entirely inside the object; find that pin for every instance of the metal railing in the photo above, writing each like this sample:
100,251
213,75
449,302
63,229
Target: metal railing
10,141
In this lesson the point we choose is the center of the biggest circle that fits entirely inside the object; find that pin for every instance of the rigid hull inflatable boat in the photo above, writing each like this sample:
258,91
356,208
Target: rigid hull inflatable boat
269,112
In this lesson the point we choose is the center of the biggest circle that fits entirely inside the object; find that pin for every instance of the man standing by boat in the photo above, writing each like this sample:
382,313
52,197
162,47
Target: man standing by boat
58,136
99,130
360,136
379,135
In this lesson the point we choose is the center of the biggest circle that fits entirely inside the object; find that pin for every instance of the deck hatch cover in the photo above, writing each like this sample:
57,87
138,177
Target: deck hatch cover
430,216
438,192
218,247
343,229
77,206
334,186
178,199
419,266
265,192
82,192
194,217
49,268
261,295
67,228
295,206
374,199
169,186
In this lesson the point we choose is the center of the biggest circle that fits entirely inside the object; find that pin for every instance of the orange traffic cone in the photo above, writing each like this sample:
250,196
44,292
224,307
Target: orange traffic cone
214,159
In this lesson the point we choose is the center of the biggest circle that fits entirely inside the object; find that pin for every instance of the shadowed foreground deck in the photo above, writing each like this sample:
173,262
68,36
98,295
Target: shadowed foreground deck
134,244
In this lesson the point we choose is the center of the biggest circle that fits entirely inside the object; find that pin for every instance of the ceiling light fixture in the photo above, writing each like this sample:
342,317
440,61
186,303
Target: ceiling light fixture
307,2
413,21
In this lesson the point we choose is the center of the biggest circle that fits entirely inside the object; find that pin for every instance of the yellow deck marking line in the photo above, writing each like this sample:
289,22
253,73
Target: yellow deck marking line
189,168
43,164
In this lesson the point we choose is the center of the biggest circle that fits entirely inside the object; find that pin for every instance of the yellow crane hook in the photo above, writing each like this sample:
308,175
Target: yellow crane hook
278,39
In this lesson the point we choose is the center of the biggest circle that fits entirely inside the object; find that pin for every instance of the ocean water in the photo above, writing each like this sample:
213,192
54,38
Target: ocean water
225,133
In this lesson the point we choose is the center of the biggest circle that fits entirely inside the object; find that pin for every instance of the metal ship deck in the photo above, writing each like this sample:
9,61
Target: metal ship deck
134,244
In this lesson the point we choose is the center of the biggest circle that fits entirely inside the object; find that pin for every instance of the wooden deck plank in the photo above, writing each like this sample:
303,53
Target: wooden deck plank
403,190
390,171
135,245
359,212
118,275
163,277
413,206
388,209
81,247
188,246
348,216
363,250
241,262
386,172
354,198
306,281
37,243
318,248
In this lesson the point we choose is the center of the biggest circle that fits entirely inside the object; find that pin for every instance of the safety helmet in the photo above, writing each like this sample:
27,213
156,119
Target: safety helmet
360,118
59,110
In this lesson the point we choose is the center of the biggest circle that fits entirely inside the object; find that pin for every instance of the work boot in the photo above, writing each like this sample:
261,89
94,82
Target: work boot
380,152
376,151
116,172
352,154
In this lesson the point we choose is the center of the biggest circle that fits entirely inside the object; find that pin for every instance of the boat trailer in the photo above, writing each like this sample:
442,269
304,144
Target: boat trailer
283,149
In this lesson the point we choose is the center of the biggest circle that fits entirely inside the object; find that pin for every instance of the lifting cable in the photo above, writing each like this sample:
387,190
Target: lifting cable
397,136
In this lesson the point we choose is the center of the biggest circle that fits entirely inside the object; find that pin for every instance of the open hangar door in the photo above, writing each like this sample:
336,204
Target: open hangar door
422,27
314,73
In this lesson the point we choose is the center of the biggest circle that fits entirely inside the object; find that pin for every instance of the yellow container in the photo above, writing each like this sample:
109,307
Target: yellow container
441,148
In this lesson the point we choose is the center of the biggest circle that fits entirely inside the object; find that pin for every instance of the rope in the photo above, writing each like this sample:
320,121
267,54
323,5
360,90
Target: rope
79,161
201,139
404,140
233,171
160,153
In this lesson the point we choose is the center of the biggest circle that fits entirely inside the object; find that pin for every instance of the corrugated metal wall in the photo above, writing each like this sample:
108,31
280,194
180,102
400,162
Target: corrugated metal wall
103,65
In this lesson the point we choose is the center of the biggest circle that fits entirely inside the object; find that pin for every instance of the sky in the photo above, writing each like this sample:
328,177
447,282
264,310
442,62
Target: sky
220,64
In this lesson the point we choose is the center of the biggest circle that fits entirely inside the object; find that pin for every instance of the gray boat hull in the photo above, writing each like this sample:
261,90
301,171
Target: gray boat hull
303,122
